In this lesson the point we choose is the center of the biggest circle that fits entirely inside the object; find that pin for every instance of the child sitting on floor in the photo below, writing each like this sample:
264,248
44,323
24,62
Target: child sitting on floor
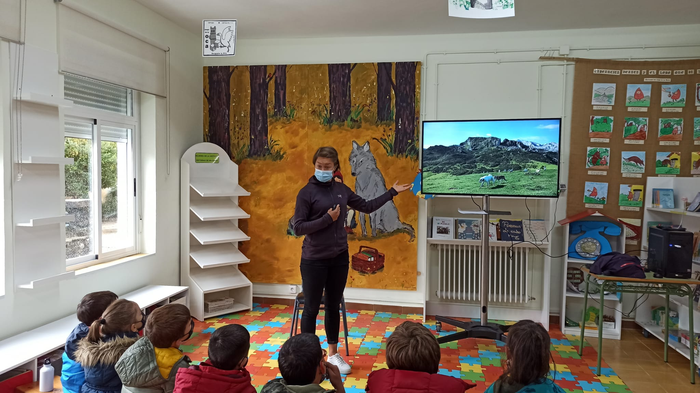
225,369
413,357
109,337
527,367
303,368
89,310
151,364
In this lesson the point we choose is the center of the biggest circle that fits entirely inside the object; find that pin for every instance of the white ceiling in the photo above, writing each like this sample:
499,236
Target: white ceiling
347,18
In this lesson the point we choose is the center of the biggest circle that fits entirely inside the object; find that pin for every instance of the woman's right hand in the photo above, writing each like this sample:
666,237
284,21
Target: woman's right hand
334,212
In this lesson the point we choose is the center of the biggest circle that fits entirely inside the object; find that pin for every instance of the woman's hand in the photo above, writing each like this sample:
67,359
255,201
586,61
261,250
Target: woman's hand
400,187
335,212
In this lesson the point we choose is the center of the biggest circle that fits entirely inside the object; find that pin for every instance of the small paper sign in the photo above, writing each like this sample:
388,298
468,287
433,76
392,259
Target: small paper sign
696,143
667,175
219,37
602,107
637,109
600,140
672,110
656,79
206,158
631,242
634,142
629,208
594,206
669,143
697,109
637,175
598,173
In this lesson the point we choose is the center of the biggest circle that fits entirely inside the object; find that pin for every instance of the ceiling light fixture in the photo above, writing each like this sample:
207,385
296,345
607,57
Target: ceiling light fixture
481,9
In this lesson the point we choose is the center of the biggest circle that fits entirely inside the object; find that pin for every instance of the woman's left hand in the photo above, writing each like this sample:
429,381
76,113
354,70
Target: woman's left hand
400,187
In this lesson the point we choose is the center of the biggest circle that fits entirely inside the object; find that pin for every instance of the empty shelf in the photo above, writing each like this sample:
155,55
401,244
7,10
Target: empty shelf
43,282
216,187
217,209
44,99
217,233
49,160
35,222
219,279
217,255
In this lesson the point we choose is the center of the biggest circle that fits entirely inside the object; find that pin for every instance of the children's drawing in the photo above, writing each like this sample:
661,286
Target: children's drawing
673,96
631,195
695,168
638,95
633,161
596,193
670,129
696,128
598,158
697,94
636,128
603,94
601,127
668,163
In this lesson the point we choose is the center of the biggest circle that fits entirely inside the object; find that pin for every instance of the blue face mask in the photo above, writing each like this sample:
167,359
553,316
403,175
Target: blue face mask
323,176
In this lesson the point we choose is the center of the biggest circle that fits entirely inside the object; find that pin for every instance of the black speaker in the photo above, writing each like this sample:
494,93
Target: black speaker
670,252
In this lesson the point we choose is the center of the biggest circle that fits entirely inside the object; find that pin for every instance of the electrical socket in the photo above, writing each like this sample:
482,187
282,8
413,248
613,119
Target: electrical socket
292,289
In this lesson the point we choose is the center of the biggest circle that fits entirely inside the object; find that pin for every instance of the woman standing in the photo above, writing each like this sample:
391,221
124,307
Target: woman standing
324,253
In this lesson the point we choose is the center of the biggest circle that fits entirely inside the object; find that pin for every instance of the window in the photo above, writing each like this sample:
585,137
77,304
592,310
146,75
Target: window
100,186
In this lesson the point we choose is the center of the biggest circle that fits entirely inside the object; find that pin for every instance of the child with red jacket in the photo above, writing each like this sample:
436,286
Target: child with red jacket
413,357
225,371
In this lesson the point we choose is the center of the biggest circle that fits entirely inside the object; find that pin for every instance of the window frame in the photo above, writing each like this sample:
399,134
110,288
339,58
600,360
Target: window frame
100,118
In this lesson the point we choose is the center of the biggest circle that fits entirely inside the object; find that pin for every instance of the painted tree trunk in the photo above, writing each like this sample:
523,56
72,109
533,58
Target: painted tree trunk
219,102
258,110
339,89
280,90
405,96
384,92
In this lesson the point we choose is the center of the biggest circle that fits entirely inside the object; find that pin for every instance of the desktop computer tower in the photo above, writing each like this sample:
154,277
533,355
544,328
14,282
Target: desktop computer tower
670,252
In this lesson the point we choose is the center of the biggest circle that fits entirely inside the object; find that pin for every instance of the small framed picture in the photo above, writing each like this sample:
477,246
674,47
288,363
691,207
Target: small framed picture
443,228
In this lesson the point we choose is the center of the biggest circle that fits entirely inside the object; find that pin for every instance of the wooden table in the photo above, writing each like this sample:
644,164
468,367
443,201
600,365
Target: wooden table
648,285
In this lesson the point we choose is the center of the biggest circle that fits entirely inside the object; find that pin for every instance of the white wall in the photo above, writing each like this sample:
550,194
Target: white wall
444,102
25,310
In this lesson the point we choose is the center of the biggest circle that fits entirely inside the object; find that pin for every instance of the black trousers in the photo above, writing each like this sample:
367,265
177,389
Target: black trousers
316,275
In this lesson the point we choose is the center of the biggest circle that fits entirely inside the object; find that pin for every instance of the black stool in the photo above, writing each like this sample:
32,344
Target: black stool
299,307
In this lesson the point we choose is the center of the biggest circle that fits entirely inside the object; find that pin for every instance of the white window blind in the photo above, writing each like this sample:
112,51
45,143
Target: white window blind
96,94
10,20
91,48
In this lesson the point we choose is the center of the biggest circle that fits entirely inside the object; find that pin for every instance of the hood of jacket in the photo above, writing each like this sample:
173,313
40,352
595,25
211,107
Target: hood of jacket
143,365
543,386
206,378
279,386
79,333
106,352
401,381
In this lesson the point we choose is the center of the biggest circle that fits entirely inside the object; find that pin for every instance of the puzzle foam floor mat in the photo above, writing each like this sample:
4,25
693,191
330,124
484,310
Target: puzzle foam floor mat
478,361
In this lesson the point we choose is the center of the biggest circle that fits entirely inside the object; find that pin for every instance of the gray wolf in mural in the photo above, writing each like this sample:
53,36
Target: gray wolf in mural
369,184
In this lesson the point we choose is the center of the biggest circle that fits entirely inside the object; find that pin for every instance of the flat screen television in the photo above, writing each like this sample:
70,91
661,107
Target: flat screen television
514,158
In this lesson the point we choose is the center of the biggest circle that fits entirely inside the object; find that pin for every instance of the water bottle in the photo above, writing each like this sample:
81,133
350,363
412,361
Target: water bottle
46,377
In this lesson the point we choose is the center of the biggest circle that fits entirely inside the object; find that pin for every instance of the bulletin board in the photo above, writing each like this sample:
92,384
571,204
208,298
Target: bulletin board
645,111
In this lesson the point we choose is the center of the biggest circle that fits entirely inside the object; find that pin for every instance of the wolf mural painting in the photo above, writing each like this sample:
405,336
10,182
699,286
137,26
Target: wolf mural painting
271,120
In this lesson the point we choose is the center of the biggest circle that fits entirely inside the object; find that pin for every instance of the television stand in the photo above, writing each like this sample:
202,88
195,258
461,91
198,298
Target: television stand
481,329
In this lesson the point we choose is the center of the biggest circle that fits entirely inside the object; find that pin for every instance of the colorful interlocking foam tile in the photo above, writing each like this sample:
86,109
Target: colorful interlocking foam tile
478,361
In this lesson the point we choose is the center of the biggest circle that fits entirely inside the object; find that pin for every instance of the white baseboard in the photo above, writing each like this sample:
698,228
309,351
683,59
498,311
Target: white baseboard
382,297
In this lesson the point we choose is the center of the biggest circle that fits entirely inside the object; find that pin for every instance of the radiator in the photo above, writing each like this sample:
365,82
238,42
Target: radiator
459,275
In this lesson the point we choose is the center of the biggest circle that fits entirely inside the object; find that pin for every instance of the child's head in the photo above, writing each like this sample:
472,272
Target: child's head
122,316
301,360
228,347
93,304
412,347
169,326
528,353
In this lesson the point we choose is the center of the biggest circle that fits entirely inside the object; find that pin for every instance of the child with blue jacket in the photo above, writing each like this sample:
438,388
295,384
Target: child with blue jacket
89,310
527,367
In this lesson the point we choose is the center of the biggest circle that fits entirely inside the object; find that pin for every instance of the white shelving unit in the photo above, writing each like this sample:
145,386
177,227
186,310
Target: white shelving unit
572,302
49,160
37,222
520,272
210,233
683,187
44,99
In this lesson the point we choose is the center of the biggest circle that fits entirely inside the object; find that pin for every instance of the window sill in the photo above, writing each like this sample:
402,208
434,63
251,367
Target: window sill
79,271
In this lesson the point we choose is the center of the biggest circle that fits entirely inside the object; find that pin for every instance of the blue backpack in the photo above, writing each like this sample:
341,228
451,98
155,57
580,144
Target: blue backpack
618,265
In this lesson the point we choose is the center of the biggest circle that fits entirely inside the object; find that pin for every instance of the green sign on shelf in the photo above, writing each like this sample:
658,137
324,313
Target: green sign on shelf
206,158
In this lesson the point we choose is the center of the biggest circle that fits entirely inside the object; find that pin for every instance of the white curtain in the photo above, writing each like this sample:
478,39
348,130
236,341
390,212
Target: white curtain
10,20
94,49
